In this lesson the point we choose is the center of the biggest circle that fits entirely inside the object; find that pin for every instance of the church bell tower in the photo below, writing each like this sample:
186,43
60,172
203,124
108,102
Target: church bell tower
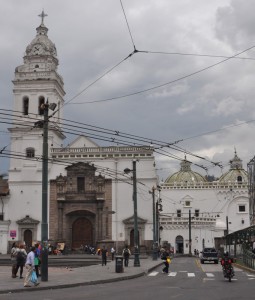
36,82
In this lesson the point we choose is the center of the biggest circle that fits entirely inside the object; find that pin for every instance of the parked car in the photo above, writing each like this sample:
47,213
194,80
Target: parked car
209,254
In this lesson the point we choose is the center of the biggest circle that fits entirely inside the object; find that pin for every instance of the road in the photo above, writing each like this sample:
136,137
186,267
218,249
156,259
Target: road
187,280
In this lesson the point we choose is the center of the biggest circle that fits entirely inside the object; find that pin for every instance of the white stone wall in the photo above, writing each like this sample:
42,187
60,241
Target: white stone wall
215,206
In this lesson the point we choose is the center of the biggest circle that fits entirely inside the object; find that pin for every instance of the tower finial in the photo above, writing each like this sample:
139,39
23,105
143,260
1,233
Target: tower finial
42,15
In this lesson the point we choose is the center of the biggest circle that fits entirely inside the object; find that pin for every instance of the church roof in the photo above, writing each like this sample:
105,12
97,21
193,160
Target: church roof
41,44
236,172
185,175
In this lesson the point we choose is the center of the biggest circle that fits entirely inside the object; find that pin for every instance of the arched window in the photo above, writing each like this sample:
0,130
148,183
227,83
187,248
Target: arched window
40,104
25,106
30,152
239,179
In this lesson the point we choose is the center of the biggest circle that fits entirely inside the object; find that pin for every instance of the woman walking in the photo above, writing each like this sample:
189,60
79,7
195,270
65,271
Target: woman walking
20,259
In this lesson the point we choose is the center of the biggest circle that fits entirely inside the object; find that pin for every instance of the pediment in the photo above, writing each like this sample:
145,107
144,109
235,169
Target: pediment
27,220
130,220
82,141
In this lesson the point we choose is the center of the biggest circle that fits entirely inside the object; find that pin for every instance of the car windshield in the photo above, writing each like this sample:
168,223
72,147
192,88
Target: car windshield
209,250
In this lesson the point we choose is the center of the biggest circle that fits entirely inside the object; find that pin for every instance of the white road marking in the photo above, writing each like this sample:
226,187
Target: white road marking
172,274
209,274
191,274
153,273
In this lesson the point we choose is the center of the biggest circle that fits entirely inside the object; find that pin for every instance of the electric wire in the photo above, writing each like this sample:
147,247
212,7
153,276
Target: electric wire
166,83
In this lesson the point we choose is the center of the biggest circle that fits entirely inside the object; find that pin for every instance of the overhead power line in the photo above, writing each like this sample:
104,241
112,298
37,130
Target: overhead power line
166,83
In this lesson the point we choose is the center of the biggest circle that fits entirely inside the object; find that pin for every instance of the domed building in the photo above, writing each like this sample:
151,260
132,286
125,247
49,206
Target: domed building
212,208
236,173
185,175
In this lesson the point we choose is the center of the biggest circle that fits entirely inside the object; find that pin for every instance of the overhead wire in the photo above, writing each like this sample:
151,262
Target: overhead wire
167,83
125,135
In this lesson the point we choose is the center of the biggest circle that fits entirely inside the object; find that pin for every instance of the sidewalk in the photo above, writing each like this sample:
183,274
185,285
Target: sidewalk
61,277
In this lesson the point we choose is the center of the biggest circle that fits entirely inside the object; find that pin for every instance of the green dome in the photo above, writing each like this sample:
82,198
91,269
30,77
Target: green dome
236,173
185,175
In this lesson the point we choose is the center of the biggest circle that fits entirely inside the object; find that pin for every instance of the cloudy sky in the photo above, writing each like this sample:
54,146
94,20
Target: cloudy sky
192,91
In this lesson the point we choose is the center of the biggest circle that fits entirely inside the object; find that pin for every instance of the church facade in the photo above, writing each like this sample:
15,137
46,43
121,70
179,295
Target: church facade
90,197
197,213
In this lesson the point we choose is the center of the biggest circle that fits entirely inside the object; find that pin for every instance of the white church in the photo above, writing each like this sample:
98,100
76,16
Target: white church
213,209
89,196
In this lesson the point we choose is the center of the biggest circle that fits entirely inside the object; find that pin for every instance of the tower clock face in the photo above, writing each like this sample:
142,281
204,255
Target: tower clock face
37,49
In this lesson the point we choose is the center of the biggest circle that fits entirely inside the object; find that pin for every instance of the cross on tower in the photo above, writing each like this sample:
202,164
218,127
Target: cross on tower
42,15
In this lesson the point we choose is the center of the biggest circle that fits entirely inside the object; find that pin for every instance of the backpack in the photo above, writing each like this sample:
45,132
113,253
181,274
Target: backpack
126,252
20,257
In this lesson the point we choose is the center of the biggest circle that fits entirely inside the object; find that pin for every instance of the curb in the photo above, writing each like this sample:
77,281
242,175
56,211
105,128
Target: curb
67,285
244,268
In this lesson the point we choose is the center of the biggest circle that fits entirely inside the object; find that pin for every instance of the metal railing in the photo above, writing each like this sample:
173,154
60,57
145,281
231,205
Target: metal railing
248,258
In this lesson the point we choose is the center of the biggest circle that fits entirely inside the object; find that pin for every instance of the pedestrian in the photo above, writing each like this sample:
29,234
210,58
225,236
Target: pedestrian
113,252
30,266
166,258
21,259
14,250
104,254
126,254
37,259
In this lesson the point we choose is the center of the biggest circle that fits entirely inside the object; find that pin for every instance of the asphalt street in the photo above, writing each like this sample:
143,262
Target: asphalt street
187,279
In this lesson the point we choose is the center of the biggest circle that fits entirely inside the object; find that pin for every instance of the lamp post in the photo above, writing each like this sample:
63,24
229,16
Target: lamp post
159,209
136,240
190,240
154,256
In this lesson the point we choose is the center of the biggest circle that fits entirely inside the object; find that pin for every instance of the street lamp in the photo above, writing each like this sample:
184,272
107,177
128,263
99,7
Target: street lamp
155,254
136,241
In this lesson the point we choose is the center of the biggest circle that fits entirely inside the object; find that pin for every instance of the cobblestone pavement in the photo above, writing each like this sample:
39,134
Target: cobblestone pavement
60,277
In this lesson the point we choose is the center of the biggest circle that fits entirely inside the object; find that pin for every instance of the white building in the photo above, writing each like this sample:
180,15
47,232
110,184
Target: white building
215,207
35,82
210,203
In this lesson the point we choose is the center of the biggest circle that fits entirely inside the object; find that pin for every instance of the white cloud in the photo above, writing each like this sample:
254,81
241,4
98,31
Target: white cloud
92,36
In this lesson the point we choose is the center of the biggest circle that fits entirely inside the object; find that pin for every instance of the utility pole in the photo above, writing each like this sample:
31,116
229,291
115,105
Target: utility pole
190,232
44,224
136,238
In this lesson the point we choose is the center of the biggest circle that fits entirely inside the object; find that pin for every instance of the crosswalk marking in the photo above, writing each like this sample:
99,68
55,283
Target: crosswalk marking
153,273
209,276
172,274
